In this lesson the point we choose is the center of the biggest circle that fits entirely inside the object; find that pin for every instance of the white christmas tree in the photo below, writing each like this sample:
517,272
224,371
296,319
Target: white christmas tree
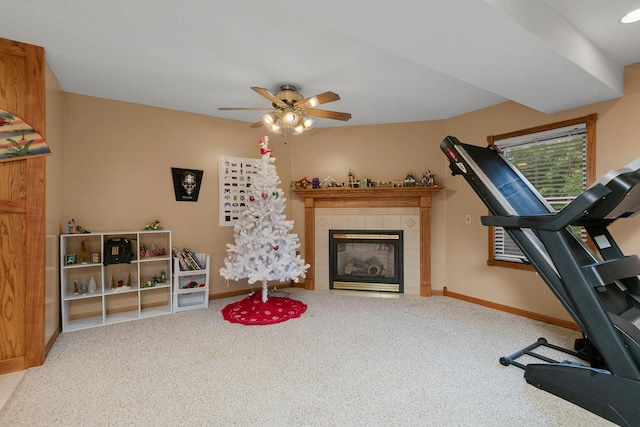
264,248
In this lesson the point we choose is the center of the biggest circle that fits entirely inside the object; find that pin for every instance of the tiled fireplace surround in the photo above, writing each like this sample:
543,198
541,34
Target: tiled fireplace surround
407,209
406,219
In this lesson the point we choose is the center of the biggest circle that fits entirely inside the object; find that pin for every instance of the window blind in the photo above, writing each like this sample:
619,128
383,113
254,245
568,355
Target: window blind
555,162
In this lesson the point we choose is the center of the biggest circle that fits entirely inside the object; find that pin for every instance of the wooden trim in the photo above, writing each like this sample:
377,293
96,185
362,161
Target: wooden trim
590,122
14,206
524,313
344,197
588,119
404,202
11,47
229,294
22,92
510,264
12,365
52,340
591,148
367,194
35,273
425,246
309,241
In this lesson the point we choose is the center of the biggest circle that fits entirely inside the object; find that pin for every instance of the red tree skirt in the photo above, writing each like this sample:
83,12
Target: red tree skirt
252,311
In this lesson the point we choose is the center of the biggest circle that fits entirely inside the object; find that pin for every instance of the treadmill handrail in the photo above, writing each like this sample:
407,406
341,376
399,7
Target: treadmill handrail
552,221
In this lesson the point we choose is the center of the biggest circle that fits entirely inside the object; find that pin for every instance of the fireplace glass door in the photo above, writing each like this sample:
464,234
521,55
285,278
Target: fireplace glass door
366,260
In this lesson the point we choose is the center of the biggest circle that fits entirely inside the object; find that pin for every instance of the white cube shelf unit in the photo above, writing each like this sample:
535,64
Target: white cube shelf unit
189,298
122,291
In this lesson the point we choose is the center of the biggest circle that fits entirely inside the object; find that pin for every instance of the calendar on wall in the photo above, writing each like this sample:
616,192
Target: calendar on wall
236,174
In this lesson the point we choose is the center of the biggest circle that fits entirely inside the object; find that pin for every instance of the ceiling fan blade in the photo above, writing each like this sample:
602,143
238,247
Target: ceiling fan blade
336,115
256,125
314,101
232,108
271,97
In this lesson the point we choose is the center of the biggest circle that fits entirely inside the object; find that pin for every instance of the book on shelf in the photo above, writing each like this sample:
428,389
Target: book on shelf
178,255
188,260
194,257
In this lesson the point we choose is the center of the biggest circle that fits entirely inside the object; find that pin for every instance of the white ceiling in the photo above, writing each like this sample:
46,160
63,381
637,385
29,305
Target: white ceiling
390,61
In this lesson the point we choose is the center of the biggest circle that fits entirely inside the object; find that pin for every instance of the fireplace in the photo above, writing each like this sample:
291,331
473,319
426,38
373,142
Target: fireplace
366,260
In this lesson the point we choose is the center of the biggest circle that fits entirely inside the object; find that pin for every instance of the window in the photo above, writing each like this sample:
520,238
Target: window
559,161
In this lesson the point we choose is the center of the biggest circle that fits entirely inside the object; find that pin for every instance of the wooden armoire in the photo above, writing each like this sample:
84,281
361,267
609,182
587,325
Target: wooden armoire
22,214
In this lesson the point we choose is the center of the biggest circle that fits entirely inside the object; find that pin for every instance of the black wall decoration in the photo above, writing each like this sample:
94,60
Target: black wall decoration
186,183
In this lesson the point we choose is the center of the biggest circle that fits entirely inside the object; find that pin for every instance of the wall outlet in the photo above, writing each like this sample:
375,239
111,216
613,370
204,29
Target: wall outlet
467,219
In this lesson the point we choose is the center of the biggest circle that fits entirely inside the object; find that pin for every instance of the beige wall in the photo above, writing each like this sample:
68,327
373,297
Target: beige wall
118,158
54,200
466,250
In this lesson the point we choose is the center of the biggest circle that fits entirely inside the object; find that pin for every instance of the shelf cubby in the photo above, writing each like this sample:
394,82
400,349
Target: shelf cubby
83,307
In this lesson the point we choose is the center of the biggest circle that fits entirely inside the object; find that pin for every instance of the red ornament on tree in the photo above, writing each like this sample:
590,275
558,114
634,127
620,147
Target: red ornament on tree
276,247
264,196
251,198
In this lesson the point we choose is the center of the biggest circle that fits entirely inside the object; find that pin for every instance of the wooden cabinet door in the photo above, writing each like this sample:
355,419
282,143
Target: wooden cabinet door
22,214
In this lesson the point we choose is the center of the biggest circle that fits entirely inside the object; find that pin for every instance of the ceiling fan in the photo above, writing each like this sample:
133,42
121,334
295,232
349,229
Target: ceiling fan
289,110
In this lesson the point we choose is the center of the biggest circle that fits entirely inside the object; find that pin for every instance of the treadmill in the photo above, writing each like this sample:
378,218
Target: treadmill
600,289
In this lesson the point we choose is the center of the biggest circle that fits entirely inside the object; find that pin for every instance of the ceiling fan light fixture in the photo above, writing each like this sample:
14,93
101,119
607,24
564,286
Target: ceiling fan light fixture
291,117
298,129
268,119
307,121
274,127
291,111
631,17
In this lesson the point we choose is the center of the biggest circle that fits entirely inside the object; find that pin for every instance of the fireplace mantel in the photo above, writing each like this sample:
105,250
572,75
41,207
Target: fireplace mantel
342,197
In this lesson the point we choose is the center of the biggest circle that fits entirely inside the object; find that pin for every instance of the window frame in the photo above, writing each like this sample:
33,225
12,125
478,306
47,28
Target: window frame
590,123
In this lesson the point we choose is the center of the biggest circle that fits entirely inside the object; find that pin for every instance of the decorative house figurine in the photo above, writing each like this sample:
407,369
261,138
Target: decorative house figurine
427,179
410,181
303,183
328,182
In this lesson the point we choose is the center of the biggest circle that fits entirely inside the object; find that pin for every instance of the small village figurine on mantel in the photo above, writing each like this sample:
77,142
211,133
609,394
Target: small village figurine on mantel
427,179
409,180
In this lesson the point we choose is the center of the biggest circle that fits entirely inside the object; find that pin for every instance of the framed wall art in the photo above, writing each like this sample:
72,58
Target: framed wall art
186,184
236,174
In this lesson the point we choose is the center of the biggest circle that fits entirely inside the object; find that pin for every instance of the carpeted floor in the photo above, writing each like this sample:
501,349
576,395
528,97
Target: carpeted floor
347,361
